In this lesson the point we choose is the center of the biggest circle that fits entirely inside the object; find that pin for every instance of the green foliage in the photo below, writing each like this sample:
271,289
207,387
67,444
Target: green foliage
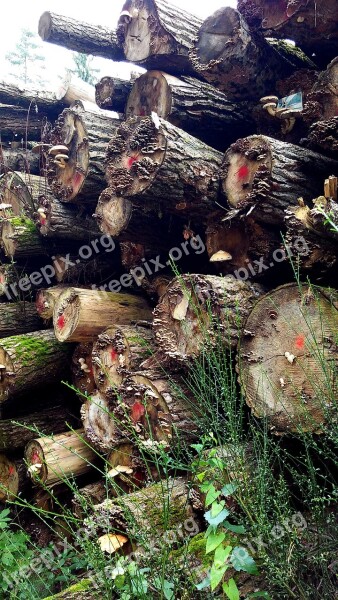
83,67
14,551
26,57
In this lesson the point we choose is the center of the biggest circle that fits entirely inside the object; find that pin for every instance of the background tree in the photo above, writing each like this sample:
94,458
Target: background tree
84,69
26,59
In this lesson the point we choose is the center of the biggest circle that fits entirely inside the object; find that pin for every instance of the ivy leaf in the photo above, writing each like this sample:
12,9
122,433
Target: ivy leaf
229,489
231,590
216,508
221,555
234,528
242,561
214,521
212,495
214,540
216,576
204,584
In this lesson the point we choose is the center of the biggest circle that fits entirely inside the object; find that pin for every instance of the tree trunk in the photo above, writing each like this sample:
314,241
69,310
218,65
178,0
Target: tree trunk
79,36
192,105
157,35
20,239
13,478
111,93
175,171
290,381
80,314
45,104
71,270
17,123
234,245
322,102
15,434
117,352
29,361
20,159
311,24
66,222
15,193
18,318
196,309
84,590
142,511
241,63
72,89
17,282
264,176
323,137
51,460
45,301
82,370
86,135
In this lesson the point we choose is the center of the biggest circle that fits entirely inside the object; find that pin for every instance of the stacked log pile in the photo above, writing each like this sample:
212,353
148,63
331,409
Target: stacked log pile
200,168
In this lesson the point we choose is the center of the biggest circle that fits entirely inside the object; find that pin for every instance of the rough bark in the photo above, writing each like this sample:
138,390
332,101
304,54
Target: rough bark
239,62
111,93
264,176
196,309
290,381
45,104
19,159
72,89
17,282
86,134
311,24
175,172
13,478
79,36
45,300
66,222
15,434
19,239
71,270
18,123
51,460
197,107
80,314
157,35
16,194
17,318
117,352
322,102
29,361
82,370
323,137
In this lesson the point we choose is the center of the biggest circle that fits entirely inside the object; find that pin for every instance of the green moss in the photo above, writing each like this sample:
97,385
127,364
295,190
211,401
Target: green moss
23,222
291,53
77,588
28,347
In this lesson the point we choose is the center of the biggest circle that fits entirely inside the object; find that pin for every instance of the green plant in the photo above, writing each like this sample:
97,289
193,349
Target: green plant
14,550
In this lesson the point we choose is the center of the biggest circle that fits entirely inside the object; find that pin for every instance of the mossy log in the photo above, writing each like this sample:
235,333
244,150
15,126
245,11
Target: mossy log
84,590
45,300
17,318
196,309
19,159
20,239
263,177
82,370
111,93
197,107
51,460
86,134
79,36
13,478
29,361
291,380
173,171
21,124
241,63
118,351
66,222
16,433
80,314
143,511
311,24
157,35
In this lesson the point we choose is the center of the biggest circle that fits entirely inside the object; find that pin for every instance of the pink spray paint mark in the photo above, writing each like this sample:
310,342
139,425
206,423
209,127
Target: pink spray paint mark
300,342
137,411
11,471
243,172
113,354
61,322
131,160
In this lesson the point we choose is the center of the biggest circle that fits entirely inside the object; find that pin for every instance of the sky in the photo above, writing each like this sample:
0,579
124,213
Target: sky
25,14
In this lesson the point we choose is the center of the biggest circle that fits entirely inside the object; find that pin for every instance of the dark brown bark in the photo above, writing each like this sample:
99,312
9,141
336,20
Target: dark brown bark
66,222
17,123
117,352
45,104
86,134
192,105
323,137
111,93
82,370
19,281
196,309
264,176
71,270
157,35
311,24
239,62
19,159
175,172
79,36
30,361
16,433
80,314
19,239
322,102
13,478
285,380
17,318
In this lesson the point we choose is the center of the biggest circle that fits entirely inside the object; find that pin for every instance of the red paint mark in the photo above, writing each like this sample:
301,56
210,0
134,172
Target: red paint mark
11,471
61,322
131,160
35,458
113,354
243,172
137,411
139,476
300,342
2,279
142,112
42,220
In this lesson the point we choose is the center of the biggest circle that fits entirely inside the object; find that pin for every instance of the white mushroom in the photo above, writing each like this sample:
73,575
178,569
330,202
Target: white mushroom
220,256
271,108
266,99
59,149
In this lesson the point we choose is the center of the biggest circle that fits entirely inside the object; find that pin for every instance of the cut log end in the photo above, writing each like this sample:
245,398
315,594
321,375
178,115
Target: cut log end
150,93
104,93
111,359
9,479
37,468
45,25
67,316
113,212
82,369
